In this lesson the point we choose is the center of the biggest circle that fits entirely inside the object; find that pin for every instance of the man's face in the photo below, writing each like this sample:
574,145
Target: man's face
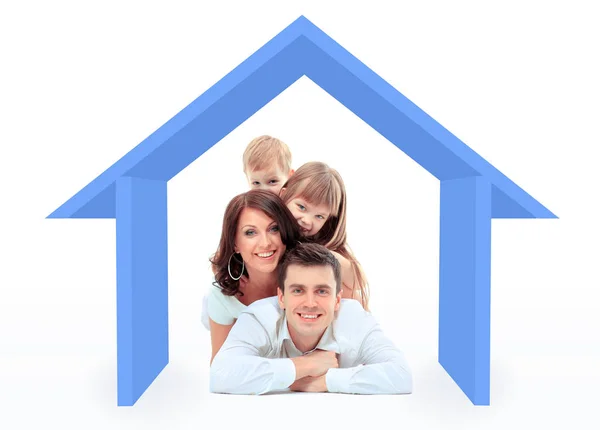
270,179
310,300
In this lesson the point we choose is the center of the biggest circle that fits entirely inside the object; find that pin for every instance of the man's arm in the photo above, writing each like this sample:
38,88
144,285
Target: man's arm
310,384
240,367
315,364
383,369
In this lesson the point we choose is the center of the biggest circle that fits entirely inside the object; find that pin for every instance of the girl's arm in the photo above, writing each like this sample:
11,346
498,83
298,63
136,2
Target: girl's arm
347,276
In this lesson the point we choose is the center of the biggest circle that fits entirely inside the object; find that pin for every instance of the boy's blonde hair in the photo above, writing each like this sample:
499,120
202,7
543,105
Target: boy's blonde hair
319,184
263,151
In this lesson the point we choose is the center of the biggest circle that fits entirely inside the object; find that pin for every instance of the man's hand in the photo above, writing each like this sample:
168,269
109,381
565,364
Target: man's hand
321,361
310,384
315,364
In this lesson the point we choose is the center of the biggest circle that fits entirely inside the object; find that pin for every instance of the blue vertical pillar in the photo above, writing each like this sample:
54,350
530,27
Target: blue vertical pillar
464,300
142,278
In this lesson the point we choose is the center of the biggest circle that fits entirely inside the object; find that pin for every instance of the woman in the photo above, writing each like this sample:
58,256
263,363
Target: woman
316,196
257,230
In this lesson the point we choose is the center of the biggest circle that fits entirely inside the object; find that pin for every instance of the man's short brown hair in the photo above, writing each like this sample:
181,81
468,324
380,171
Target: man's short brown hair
309,255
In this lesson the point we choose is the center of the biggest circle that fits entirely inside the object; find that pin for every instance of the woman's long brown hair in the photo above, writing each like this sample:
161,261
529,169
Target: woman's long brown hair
272,206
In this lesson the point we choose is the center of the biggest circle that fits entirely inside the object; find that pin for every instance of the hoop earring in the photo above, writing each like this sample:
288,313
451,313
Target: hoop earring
229,268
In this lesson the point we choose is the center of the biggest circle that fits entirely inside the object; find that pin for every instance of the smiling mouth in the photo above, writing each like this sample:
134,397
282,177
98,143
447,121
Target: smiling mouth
266,255
309,317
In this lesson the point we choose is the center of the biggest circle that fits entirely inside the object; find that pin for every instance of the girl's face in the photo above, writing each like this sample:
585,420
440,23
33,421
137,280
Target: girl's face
258,241
311,217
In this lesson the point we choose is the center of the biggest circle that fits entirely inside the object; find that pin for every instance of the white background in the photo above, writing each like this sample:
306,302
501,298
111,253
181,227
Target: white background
82,85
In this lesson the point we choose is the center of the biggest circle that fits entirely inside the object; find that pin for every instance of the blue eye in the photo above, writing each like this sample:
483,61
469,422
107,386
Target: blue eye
275,228
320,217
273,181
301,207
249,232
255,183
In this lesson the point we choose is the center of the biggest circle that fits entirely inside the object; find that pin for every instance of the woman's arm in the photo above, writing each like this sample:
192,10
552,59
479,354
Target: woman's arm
221,318
218,334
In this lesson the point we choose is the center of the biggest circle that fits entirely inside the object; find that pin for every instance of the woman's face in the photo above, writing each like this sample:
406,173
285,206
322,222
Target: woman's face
311,217
258,240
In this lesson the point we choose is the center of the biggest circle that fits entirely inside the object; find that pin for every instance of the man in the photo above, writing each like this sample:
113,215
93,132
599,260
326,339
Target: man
308,338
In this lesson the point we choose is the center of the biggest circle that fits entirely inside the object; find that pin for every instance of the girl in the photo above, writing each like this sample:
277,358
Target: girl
316,196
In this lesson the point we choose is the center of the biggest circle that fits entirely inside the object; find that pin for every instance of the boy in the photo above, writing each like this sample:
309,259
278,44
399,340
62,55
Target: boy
267,163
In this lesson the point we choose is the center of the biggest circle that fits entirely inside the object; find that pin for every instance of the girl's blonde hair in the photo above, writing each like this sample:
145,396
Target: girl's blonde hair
319,184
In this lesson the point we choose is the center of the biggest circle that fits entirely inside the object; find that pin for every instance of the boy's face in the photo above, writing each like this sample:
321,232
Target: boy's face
269,179
310,300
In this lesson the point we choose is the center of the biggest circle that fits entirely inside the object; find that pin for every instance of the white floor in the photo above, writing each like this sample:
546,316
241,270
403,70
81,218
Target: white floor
80,392
65,375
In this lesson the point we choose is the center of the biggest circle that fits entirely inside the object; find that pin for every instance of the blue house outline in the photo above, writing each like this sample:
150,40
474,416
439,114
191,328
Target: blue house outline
134,192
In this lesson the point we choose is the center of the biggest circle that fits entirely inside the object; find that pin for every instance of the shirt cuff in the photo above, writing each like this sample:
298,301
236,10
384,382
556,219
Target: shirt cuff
284,373
338,380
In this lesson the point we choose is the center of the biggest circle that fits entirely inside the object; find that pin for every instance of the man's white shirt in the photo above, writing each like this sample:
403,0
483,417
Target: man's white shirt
256,356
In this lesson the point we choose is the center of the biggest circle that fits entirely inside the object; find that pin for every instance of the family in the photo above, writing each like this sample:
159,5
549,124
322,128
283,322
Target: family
289,307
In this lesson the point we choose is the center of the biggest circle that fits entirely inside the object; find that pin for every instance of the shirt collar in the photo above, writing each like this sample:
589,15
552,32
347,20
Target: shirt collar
326,343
